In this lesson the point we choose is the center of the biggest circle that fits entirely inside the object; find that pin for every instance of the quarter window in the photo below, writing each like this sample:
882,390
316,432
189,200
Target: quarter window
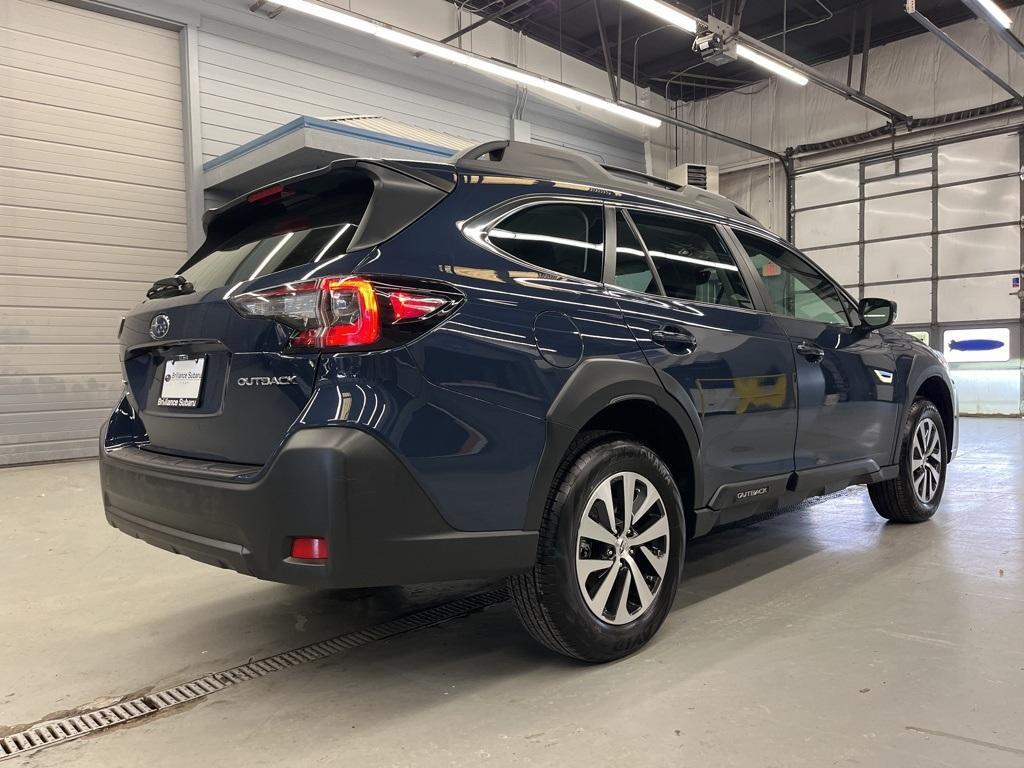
559,237
692,260
796,288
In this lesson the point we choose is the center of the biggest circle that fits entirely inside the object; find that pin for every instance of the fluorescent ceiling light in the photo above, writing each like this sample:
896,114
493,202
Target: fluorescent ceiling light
997,13
667,13
454,55
686,22
770,64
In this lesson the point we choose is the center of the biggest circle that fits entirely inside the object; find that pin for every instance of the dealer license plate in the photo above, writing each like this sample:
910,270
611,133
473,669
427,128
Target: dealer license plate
182,382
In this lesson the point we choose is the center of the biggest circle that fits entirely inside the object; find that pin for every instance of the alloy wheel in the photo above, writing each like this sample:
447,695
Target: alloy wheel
622,548
926,461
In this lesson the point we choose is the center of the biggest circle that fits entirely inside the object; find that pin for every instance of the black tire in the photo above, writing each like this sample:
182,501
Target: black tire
549,600
896,499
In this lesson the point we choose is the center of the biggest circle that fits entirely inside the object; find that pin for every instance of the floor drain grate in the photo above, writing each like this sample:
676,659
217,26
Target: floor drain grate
53,732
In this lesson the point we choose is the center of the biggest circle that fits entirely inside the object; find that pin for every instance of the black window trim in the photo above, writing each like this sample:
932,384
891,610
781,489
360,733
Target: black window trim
844,297
613,211
722,228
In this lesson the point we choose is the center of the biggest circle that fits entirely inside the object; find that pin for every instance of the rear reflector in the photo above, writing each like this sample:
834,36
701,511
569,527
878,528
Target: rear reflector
410,306
309,548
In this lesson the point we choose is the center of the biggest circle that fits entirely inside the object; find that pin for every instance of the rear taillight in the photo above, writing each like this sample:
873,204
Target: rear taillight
348,311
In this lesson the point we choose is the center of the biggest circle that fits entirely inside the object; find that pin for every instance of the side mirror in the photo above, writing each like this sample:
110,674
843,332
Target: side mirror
876,313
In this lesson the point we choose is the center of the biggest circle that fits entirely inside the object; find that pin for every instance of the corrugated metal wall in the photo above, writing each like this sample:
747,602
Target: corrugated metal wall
251,83
93,211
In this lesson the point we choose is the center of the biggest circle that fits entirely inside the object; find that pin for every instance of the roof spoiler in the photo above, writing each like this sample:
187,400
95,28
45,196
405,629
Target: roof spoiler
400,195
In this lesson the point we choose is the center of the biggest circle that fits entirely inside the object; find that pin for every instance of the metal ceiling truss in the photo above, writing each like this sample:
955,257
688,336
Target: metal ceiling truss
1005,34
924,21
847,91
841,89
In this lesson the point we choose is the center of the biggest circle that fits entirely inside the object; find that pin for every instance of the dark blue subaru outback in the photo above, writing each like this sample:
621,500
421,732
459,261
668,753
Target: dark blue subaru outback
519,363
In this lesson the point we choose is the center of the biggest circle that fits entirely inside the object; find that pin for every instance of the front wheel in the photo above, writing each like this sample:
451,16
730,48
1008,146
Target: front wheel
609,556
914,495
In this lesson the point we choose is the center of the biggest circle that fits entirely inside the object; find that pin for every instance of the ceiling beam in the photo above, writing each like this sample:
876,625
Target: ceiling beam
707,132
841,89
613,84
1005,34
924,21
485,20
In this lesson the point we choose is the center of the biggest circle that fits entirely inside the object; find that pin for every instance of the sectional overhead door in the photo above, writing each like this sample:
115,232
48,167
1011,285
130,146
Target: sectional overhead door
93,210
939,231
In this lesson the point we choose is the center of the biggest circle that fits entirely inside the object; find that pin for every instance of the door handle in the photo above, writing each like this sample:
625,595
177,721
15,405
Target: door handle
812,352
671,336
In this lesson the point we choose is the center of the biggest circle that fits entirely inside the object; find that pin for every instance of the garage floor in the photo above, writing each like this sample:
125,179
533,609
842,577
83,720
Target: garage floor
824,637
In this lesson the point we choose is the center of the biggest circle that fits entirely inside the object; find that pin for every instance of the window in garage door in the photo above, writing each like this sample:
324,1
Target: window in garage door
939,233
92,155
938,230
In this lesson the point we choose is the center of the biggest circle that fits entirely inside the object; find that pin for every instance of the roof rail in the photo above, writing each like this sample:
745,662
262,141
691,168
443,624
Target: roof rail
646,178
517,158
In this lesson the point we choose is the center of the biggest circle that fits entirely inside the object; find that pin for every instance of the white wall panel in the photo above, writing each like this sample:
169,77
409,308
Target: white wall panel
978,158
977,298
832,185
761,191
251,83
973,205
834,225
913,300
898,215
980,250
988,392
843,264
902,259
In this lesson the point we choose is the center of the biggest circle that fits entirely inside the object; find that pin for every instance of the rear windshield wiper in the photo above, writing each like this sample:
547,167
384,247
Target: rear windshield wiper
170,286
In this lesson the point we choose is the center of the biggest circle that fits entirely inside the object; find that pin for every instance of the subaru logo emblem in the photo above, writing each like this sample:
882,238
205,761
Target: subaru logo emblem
159,326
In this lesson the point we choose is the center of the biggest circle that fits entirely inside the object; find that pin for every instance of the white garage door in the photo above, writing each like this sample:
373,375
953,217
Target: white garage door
93,210
939,231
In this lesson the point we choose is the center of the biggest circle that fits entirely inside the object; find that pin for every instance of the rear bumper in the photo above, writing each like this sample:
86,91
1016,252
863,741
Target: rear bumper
340,484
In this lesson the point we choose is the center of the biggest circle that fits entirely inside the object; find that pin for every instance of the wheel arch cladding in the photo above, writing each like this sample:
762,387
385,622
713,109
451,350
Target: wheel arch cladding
935,388
622,396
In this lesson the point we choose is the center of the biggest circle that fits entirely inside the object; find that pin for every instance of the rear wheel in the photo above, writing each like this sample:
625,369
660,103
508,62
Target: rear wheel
914,495
610,553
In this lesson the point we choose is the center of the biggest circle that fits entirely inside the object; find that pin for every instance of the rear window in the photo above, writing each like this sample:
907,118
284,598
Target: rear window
560,237
269,255
305,223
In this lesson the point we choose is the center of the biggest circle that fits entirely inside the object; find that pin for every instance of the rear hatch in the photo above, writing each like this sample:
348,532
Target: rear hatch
211,383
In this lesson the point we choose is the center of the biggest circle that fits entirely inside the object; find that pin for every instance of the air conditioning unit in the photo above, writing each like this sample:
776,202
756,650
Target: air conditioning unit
695,175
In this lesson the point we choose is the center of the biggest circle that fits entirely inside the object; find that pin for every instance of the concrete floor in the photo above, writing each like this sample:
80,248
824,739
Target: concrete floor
823,637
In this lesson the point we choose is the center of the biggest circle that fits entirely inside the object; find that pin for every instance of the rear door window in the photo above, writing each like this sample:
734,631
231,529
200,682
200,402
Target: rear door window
692,260
558,237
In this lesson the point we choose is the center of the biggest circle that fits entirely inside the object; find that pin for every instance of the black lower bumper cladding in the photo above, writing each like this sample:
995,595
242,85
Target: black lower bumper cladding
336,483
